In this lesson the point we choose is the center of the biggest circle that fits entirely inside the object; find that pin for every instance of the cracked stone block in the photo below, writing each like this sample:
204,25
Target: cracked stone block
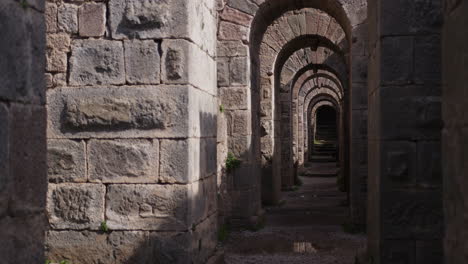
92,19
123,161
97,62
148,207
76,206
66,161
142,62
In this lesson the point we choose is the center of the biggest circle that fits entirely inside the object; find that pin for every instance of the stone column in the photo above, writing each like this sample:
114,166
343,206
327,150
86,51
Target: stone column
358,123
455,133
132,107
23,176
405,193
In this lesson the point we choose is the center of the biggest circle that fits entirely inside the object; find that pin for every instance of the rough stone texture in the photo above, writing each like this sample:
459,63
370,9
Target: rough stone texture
142,62
127,110
455,133
97,62
68,18
405,193
123,161
66,161
125,77
92,20
76,206
180,160
164,19
23,164
178,57
148,207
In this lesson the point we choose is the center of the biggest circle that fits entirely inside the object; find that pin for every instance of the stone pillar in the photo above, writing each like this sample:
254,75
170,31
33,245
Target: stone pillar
358,143
23,177
132,106
405,192
455,133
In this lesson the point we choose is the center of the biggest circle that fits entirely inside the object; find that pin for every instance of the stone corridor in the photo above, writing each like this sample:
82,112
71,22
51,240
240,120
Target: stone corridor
233,131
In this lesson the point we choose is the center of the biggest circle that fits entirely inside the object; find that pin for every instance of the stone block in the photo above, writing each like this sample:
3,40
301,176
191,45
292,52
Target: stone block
4,158
79,247
412,215
223,71
22,65
245,6
410,112
68,18
150,247
161,19
137,111
51,17
22,238
241,124
399,166
180,161
231,49
406,17
66,161
234,98
60,79
235,16
97,62
126,246
148,207
208,157
230,31
240,146
396,59
185,63
28,162
142,62
92,19
428,59
429,171
239,71
49,80
56,61
123,161
58,42
76,205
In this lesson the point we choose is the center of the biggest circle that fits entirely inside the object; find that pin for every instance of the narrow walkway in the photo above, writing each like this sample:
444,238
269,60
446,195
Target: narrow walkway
307,228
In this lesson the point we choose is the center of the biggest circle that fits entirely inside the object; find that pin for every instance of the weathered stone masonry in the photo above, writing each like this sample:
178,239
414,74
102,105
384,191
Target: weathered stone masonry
131,131
23,178
405,218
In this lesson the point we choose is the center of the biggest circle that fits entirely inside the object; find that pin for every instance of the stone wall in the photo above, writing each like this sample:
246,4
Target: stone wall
455,133
405,220
23,178
132,105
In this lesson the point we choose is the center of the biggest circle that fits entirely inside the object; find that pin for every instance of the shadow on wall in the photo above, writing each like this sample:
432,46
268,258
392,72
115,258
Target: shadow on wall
196,244
188,219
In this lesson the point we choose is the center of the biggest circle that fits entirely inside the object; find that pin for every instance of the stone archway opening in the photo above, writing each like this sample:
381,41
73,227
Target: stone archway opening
325,134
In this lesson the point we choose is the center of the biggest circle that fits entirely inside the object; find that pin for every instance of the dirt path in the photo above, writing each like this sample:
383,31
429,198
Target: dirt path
305,229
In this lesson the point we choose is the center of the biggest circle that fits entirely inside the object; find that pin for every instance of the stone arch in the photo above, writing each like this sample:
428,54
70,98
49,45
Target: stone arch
242,28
